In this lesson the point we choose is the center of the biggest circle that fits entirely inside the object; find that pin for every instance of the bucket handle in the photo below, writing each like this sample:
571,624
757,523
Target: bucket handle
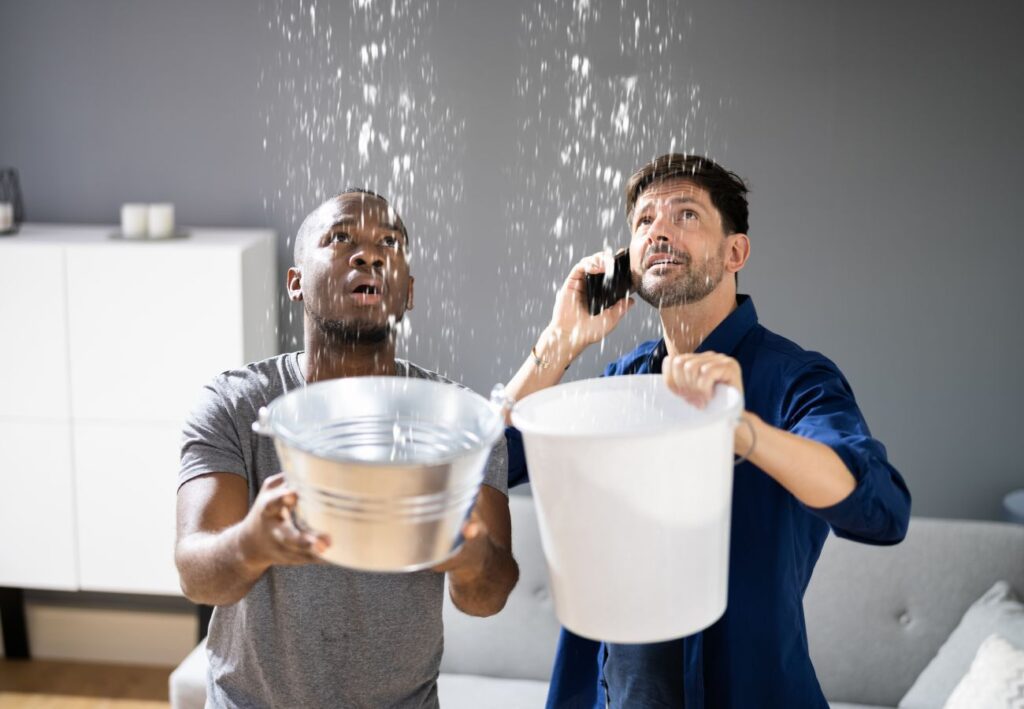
502,402
261,426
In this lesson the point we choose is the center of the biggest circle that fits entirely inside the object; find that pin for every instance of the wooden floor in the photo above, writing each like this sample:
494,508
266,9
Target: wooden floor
17,700
51,684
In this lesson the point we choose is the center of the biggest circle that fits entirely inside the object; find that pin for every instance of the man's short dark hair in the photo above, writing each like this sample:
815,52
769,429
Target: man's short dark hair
727,189
300,238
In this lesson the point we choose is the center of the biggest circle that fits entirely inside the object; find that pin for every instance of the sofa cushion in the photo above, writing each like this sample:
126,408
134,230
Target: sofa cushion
519,642
475,691
877,615
996,678
998,611
187,682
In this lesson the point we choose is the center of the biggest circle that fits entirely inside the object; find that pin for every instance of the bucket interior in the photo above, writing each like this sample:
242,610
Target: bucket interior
618,406
385,420
386,439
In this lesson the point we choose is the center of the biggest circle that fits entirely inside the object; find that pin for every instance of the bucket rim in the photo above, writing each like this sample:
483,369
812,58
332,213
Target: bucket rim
267,425
732,411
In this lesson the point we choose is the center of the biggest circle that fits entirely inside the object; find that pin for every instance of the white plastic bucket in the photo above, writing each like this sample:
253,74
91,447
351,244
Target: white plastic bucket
633,487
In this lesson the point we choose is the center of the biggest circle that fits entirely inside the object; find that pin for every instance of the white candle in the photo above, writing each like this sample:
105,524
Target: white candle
161,221
133,220
6,216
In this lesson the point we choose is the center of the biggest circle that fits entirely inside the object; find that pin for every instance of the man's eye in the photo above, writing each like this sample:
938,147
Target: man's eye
687,215
391,242
340,237
643,220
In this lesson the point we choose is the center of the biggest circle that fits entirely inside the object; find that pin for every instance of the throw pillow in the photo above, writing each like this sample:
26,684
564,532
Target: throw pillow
998,611
995,680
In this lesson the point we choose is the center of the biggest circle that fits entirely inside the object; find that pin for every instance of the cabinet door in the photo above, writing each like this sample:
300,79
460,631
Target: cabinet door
149,324
34,356
126,481
37,516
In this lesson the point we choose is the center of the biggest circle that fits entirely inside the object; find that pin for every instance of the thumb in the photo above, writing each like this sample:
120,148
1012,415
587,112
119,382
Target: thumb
474,527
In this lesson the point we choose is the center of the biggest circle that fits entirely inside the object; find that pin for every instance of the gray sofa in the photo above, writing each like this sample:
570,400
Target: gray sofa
875,616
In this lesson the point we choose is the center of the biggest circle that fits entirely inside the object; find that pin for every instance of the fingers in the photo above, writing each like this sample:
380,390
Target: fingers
273,481
295,546
475,546
276,501
288,544
611,316
694,376
595,263
474,527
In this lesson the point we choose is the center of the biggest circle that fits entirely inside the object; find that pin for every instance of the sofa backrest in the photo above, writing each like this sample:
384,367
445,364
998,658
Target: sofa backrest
519,642
876,616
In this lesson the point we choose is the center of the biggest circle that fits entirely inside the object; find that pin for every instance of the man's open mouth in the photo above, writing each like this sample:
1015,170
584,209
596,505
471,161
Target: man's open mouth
662,260
367,289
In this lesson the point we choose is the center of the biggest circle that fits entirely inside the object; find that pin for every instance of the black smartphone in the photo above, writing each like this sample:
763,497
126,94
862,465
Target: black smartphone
606,289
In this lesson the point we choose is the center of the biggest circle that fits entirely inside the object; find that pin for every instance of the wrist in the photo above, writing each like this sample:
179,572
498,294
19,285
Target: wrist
746,434
557,347
476,564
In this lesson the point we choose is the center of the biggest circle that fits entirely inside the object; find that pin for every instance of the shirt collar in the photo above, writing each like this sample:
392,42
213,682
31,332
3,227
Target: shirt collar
724,339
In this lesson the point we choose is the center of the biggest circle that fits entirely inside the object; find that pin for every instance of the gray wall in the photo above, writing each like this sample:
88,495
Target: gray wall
881,140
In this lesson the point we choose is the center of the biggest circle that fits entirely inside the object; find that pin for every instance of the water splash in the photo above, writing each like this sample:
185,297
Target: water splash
354,103
603,88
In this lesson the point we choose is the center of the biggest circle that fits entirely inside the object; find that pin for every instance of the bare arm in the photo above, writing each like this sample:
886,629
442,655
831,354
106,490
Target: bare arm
811,471
572,329
483,573
223,547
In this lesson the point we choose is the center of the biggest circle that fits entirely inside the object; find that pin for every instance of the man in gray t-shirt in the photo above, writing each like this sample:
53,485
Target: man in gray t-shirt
289,630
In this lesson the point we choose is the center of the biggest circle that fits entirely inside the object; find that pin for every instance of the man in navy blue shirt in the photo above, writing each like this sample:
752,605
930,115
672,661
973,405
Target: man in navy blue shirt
812,463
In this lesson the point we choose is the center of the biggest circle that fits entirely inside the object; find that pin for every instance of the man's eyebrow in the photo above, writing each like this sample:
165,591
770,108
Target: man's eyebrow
351,221
685,199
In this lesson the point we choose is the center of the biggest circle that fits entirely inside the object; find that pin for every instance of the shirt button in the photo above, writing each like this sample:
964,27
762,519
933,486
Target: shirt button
904,618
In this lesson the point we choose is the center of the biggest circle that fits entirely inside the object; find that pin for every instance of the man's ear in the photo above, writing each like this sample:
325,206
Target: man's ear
737,252
293,284
408,296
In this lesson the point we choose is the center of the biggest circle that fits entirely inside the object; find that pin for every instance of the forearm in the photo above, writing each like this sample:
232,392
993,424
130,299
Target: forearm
810,470
215,568
556,351
484,590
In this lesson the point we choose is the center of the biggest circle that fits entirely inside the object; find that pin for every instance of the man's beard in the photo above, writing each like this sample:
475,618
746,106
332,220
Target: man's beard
690,286
350,332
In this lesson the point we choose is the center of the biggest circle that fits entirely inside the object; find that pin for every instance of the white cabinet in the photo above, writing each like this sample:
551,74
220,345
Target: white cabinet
126,479
33,315
37,508
147,322
107,344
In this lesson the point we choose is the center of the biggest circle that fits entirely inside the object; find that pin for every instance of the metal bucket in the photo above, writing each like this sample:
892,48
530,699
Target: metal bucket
388,467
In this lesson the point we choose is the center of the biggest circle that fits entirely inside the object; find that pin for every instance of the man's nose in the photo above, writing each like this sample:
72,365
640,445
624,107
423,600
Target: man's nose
364,257
659,230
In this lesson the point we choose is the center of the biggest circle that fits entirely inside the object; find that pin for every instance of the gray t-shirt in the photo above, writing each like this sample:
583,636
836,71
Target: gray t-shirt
315,635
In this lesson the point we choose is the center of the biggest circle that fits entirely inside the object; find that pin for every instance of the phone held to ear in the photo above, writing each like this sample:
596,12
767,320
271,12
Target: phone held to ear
606,289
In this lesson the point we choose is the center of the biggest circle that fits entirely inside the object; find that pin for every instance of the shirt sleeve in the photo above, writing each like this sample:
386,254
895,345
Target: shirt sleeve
497,472
820,405
518,474
210,440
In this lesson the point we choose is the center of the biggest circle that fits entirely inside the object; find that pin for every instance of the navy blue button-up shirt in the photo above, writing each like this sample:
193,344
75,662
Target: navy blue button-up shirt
756,655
